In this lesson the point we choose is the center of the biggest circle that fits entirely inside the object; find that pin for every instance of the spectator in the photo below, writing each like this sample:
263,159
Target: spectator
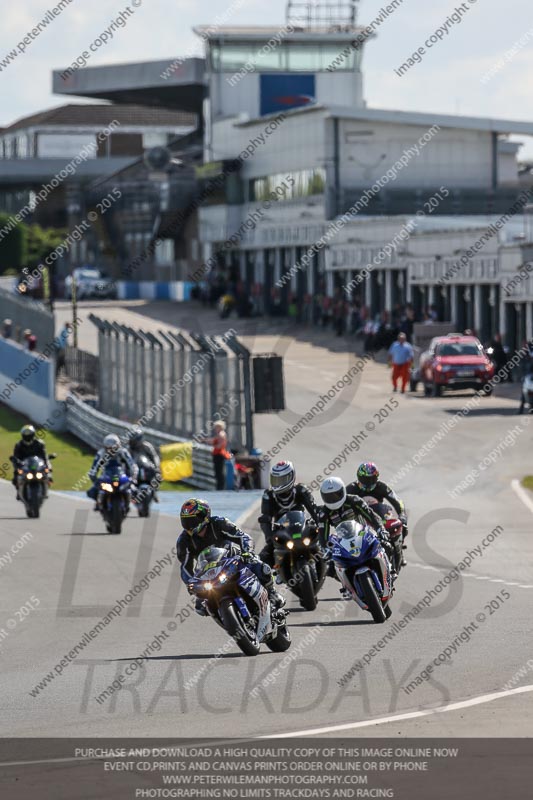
61,342
7,329
220,453
401,357
31,339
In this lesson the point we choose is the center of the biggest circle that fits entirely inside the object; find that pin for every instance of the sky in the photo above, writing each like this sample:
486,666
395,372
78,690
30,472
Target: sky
447,80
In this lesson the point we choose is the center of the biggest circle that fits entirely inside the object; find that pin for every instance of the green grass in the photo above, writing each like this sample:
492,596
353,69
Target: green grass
527,482
74,457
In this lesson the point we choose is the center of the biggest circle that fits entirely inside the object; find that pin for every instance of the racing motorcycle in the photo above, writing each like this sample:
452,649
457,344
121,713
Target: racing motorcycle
114,494
363,568
299,558
237,602
33,479
145,486
394,529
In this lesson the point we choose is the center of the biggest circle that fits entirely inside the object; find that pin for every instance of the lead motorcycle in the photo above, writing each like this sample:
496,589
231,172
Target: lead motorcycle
114,494
299,558
33,480
237,602
363,568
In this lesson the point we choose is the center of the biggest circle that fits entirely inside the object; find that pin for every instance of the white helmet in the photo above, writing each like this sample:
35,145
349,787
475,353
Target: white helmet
282,480
333,493
111,442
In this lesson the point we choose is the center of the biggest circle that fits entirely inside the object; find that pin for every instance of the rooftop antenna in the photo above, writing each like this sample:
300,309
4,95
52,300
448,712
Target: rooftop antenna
332,15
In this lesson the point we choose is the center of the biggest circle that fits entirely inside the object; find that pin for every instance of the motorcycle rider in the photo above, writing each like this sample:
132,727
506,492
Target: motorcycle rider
29,445
339,506
111,451
284,495
139,446
368,484
201,529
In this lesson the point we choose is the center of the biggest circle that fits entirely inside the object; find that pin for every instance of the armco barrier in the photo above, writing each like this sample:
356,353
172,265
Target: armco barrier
91,426
27,385
27,313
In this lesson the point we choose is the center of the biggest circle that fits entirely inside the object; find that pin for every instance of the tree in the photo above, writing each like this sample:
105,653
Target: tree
42,242
13,244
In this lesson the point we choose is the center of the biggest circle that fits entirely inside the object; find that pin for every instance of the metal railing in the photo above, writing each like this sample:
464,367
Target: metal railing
91,426
82,367
177,382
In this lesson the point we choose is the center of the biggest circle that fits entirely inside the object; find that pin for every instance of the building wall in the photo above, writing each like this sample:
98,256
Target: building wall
453,157
296,143
243,96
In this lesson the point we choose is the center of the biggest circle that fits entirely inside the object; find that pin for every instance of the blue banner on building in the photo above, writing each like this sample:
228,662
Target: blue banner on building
281,92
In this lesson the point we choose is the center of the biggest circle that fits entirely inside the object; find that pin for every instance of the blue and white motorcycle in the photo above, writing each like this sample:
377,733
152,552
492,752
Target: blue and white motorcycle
363,568
113,498
237,602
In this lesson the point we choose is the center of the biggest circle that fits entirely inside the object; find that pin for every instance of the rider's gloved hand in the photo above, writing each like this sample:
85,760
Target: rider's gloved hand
233,550
247,556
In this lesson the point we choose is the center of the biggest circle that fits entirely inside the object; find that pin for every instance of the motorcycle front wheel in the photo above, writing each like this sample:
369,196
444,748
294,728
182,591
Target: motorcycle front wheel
33,503
372,600
248,644
281,642
306,588
116,516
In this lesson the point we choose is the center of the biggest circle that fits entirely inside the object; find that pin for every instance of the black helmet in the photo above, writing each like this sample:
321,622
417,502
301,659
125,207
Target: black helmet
27,433
136,437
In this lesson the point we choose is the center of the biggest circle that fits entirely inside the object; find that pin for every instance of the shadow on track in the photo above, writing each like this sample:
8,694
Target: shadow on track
188,657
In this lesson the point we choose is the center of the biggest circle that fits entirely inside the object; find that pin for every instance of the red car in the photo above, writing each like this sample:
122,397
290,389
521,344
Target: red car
454,362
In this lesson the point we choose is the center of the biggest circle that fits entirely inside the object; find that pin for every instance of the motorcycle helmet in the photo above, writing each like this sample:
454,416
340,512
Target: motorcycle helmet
368,475
111,442
194,516
333,493
136,437
27,433
282,480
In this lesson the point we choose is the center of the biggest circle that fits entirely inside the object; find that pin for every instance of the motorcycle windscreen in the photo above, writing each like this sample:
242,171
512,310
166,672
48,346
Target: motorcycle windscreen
209,558
350,537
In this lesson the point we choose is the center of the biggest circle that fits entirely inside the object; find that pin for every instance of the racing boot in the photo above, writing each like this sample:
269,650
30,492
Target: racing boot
277,600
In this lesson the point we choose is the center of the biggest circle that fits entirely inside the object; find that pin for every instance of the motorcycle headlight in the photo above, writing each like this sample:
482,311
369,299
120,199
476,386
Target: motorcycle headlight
307,541
290,544
30,476
106,487
222,578
39,475
208,586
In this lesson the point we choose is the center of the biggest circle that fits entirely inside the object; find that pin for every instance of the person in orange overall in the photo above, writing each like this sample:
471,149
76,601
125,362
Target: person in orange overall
401,357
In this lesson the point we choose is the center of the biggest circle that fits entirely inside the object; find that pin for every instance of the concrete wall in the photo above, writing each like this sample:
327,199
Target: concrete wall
27,385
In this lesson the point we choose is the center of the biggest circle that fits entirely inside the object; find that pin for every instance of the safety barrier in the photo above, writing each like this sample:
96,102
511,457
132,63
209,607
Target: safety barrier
27,385
91,426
